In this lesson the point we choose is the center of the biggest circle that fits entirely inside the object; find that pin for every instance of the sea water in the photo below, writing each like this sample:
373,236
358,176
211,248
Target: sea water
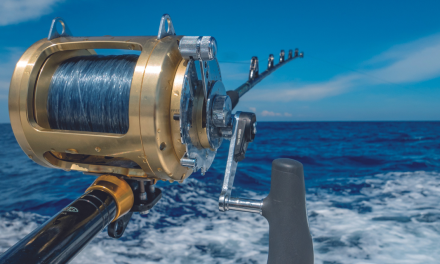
373,195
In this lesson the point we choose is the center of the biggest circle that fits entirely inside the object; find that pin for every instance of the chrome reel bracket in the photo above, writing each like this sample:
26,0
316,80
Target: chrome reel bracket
163,31
243,132
53,32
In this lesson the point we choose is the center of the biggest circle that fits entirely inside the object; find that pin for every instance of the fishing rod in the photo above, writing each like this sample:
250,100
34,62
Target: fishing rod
255,77
132,120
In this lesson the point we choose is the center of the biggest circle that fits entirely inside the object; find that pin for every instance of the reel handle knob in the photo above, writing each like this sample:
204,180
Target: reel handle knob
285,210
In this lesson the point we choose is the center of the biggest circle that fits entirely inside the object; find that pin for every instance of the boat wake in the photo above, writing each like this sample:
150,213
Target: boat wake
386,218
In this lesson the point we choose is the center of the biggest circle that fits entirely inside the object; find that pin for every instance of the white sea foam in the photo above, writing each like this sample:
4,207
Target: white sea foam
401,225
392,218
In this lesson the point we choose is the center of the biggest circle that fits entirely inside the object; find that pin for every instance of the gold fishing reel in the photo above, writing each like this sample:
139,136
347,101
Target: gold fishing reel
175,84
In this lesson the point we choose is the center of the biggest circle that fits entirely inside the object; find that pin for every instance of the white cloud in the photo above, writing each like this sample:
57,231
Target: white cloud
269,113
287,114
7,66
253,109
418,65
408,63
305,93
16,11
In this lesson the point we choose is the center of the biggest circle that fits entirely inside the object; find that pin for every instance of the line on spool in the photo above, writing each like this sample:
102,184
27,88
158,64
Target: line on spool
91,93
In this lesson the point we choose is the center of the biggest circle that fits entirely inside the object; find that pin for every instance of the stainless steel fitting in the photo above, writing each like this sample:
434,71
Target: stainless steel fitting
221,111
270,63
282,56
198,48
254,71
188,162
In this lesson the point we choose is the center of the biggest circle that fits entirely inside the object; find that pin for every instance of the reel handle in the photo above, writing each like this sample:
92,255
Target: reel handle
285,210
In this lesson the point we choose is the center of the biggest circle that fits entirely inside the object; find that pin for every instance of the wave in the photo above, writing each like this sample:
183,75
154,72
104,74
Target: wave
392,218
386,218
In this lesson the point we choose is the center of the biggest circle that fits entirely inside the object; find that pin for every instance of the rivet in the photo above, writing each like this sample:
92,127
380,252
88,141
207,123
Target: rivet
30,156
159,169
98,149
71,151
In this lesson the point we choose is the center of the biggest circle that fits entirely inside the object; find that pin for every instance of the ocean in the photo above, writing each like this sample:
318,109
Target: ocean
373,195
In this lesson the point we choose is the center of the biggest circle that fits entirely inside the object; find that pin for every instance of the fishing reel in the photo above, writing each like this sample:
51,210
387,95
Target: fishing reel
175,88
133,120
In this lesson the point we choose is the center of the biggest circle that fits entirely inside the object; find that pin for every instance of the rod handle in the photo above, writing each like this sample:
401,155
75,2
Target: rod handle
284,208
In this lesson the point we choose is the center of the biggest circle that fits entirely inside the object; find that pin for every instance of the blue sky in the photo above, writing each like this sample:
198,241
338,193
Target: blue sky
364,60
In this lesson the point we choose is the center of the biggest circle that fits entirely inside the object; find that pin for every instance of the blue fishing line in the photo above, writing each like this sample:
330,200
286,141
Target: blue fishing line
91,93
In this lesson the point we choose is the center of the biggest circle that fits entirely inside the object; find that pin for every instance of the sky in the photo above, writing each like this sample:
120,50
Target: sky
363,60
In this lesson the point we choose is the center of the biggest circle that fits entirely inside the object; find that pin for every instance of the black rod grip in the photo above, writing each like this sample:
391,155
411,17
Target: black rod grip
64,235
285,210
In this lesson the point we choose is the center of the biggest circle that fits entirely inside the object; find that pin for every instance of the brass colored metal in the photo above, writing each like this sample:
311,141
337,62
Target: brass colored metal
152,138
118,189
176,94
155,110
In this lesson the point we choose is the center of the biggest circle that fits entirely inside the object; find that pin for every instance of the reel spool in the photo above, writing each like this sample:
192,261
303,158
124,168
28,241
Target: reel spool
171,90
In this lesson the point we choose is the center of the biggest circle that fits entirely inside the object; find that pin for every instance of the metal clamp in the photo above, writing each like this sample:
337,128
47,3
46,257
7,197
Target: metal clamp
243,132
53,32
163,32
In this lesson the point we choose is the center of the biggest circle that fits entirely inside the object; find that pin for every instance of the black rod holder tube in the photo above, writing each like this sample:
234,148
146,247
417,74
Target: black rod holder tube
66,234
284,208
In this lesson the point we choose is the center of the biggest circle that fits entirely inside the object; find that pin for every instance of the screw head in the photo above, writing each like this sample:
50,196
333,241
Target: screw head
144,212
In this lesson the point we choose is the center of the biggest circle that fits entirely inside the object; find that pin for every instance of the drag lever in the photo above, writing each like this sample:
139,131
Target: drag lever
243,132
199,48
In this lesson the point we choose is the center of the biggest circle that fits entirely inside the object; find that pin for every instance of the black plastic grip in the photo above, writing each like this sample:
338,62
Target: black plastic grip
285,210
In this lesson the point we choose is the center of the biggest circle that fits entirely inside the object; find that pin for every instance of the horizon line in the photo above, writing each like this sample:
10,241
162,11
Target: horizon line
329,121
